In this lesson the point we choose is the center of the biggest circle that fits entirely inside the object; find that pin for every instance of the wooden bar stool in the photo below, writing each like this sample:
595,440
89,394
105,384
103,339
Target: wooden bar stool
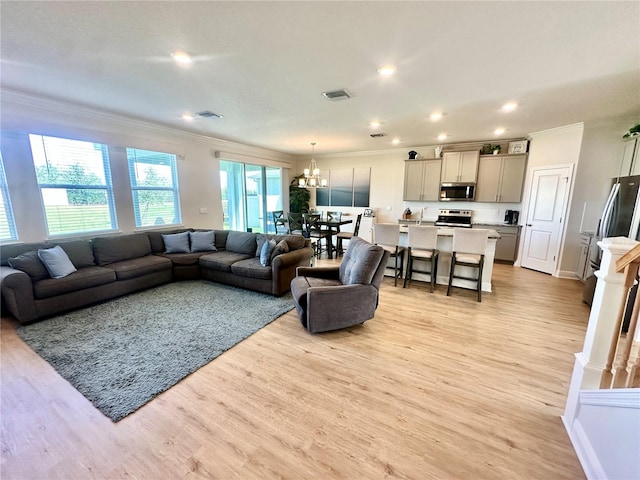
422,247
387,235
469,245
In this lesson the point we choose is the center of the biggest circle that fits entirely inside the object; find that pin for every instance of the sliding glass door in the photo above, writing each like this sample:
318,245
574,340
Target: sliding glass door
249,194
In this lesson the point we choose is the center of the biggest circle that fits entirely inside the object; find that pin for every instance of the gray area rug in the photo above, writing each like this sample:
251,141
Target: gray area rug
123,353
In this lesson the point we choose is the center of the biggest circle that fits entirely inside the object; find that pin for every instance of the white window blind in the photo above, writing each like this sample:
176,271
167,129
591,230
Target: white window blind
75,184
154,185
7,222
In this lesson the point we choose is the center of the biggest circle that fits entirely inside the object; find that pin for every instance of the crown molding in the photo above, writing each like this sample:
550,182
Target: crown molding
556,131
53,105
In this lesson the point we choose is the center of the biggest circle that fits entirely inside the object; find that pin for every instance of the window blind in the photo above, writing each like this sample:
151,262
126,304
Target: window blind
7,222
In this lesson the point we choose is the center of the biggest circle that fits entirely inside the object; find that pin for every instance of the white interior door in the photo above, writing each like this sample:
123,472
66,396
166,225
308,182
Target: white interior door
545,218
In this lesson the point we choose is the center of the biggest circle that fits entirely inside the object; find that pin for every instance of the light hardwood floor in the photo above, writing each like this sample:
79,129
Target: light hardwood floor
433,387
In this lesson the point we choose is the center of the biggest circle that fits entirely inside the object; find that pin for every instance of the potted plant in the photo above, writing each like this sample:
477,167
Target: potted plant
495,149
633,131
298,197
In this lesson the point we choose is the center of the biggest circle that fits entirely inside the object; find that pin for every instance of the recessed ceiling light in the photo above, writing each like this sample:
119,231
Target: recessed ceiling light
509,107
182,58
499,131
442,136
395,141
374,124
435,116
387,70
187,116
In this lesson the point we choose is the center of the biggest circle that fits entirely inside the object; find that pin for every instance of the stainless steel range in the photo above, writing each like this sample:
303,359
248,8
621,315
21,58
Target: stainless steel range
454,218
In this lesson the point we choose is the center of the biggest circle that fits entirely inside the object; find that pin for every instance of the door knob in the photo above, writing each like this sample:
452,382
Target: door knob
529,225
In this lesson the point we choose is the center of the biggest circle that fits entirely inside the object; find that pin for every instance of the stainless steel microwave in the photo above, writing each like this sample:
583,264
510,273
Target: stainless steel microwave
461,192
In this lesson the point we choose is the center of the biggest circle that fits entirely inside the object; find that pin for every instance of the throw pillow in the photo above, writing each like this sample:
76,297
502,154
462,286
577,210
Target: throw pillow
29,263
56,261
176,242
261,239
281,247
203,241
267,250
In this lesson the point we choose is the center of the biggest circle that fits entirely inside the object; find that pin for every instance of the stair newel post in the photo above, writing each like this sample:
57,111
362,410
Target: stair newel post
604,324
621,376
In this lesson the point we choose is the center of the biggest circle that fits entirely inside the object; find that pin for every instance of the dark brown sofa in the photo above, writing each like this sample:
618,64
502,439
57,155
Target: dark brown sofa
108,267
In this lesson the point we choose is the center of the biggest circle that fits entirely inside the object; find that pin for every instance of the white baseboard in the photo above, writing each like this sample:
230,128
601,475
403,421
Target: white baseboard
585,453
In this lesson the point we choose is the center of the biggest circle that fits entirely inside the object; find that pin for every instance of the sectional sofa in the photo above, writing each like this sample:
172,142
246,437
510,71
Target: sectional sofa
111,266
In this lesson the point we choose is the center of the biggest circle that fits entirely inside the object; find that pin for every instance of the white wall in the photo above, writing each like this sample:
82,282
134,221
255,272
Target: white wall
198,167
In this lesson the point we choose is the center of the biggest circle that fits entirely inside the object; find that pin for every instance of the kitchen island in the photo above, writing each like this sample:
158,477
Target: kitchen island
445,244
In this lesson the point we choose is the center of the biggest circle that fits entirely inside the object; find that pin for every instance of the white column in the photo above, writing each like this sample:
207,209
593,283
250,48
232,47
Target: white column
610,292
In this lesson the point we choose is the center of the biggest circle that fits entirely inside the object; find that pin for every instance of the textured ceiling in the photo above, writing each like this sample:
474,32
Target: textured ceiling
264,65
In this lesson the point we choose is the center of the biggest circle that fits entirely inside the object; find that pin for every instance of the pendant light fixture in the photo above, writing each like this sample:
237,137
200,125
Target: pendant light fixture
312,174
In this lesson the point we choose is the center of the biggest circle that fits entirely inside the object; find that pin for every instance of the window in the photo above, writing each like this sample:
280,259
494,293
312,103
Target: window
7,222
249,194
154,185
75,185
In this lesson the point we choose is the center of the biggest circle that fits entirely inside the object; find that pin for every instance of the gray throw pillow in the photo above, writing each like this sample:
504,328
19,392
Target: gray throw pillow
30,263
281,247
261,239
203,241
176,242
56,261
267,250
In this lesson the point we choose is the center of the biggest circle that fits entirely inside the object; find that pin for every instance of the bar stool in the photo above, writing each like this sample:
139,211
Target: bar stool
347,235
387,235
469,245
422,247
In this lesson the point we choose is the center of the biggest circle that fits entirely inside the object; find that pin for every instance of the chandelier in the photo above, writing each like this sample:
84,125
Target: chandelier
312,174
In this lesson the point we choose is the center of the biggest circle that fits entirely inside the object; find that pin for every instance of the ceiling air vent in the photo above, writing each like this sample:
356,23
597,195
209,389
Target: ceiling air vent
337,95
208,114
377,135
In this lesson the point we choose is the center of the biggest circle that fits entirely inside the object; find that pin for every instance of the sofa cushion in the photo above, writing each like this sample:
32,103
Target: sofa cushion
221,239
265,254
251,268
108,250
80,252
281,247
222,261
176,242
10,251
56,261
183,258
136,267
299,286
203,241
294,242
84,278
30,263
242,242
360,262
155,238
261,239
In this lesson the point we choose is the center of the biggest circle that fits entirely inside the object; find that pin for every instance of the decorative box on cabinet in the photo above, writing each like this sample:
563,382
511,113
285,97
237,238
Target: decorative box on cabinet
422,180
500,178
460,166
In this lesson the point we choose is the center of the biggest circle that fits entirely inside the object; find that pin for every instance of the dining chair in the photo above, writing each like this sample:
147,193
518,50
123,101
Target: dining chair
279,221
334,229
469,245
341,236
315,232
422,242
296,222
387,235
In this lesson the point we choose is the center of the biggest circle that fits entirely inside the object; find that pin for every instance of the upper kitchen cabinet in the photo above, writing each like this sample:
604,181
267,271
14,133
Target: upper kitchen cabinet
422,180
630,160
460,166
500,178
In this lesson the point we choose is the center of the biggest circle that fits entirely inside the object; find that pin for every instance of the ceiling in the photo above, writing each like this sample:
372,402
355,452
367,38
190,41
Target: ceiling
264,66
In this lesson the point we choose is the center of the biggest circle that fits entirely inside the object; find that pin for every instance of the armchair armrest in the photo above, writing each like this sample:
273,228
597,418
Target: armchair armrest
335,307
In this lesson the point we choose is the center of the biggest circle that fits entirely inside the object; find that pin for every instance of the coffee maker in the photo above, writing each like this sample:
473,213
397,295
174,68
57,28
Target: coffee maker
511,217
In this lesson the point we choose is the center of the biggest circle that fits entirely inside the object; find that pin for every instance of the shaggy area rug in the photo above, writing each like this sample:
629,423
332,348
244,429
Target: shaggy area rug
123,353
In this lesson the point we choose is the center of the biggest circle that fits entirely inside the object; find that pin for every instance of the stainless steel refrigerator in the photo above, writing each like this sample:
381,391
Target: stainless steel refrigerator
620,218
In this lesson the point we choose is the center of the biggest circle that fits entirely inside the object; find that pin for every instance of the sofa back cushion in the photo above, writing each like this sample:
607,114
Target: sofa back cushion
360,262
80,252
108,250
221,239
242,242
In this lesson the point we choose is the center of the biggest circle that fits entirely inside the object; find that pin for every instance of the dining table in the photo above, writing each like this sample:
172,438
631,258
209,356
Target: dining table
333,226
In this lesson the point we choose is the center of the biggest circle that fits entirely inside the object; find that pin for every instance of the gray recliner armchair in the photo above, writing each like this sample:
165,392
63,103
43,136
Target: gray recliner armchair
330,298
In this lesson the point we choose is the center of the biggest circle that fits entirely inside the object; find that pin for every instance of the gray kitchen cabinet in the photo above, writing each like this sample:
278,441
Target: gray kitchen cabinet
500,178
460,167
630,160
422,180
584,267
507,244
